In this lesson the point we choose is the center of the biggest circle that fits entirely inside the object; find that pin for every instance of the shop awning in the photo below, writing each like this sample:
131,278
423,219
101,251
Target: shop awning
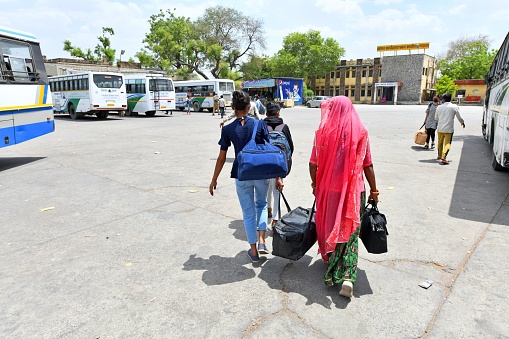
261,83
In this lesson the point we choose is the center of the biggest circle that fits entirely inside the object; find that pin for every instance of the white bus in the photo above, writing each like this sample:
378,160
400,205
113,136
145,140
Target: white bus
88,93
495,124
25,98
202,93
159,95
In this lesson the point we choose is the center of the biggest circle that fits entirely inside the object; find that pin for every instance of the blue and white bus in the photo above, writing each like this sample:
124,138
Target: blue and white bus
25,100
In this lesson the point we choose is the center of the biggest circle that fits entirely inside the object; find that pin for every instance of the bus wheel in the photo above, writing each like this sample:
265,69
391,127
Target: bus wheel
101,115
72,112
196,106
150,113
128,111
494,163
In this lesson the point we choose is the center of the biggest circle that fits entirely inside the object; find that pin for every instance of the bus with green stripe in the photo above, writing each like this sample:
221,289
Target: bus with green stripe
89,93
201,93
149,93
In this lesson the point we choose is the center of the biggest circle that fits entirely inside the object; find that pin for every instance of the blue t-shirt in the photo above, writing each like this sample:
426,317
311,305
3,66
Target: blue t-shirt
238,135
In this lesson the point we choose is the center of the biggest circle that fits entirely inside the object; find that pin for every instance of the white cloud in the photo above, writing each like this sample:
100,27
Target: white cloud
387,2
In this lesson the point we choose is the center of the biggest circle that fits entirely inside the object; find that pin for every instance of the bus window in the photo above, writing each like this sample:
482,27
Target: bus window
107,81
230,87
15,55
222,86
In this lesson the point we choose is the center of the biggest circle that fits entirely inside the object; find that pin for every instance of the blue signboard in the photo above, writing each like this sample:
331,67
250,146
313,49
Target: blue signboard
290,89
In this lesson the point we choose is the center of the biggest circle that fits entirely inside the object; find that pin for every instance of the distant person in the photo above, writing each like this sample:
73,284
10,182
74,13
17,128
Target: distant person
258,104
340,156
275,123
252,194
222,106
188,104
430,122
253,113
216,104
445,116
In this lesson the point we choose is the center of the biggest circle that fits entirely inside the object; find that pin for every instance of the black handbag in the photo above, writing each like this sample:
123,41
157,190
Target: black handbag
373,231
294,233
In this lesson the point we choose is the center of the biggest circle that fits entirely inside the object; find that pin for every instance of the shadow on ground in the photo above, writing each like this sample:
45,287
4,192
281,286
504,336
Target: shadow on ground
8,163
475,170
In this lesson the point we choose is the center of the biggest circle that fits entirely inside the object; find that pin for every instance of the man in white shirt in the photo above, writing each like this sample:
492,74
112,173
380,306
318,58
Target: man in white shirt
445,116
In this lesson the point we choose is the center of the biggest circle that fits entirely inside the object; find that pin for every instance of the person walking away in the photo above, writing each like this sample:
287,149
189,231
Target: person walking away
340,155
430,122
259,106
188,104
252,194
275,122
253,113
222,106
445,116
216,104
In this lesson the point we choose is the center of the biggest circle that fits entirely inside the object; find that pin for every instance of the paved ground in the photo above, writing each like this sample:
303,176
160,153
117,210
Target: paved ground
107,230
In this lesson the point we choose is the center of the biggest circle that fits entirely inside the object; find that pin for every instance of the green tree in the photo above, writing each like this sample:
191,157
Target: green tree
467,58
230,36
445,85
257,67
172,44
307,54
103,48
216,41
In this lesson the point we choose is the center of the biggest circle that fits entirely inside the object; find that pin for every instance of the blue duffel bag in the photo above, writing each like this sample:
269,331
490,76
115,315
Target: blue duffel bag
261,161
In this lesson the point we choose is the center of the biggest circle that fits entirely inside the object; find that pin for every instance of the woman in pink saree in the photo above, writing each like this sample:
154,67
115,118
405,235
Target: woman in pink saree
340,156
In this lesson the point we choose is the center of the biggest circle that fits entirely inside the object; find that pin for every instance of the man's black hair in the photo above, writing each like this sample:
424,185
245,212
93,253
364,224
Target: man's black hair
272,108
447,97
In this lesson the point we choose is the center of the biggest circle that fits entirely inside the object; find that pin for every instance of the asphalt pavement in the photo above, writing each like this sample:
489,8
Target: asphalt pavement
108,231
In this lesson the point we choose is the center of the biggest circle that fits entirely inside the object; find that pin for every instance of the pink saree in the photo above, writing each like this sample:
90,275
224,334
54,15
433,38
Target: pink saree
340,145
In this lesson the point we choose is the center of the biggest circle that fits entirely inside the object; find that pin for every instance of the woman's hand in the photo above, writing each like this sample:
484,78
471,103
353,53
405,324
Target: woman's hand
373,196
212,187
279,184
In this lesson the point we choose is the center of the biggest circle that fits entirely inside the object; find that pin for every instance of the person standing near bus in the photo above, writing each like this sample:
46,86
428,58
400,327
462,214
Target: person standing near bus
445,116
222,105
216,104
188,104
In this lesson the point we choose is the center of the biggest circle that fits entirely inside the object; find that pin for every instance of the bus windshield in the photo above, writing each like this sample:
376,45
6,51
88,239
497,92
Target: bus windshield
107,81
160,85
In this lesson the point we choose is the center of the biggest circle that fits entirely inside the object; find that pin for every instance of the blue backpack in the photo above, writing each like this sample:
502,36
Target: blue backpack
278,138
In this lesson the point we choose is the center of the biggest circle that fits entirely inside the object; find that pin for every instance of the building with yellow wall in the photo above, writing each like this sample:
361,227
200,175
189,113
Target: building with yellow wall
470,90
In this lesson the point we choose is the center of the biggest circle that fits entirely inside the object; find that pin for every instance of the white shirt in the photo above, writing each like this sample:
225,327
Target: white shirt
445,116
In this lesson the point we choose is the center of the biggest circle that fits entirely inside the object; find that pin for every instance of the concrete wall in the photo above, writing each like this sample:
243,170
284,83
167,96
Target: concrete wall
407,69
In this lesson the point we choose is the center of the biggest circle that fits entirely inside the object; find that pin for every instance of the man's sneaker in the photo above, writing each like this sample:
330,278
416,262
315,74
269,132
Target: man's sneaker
347,289
262,249
254,258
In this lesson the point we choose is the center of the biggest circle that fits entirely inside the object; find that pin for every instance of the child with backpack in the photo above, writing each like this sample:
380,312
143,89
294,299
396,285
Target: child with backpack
279,135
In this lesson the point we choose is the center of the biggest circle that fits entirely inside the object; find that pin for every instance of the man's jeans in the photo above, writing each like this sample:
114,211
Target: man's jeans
253,201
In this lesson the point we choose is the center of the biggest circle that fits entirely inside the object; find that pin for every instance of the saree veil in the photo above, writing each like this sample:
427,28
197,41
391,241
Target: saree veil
340,144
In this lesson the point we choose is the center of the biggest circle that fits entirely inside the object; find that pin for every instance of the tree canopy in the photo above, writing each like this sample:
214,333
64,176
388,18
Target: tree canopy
467,58
103,48
216,41
445,85
306,54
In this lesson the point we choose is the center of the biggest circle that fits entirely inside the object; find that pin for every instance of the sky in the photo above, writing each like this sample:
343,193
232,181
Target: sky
357,25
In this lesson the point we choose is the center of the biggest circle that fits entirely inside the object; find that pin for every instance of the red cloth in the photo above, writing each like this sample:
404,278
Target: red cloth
341,151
